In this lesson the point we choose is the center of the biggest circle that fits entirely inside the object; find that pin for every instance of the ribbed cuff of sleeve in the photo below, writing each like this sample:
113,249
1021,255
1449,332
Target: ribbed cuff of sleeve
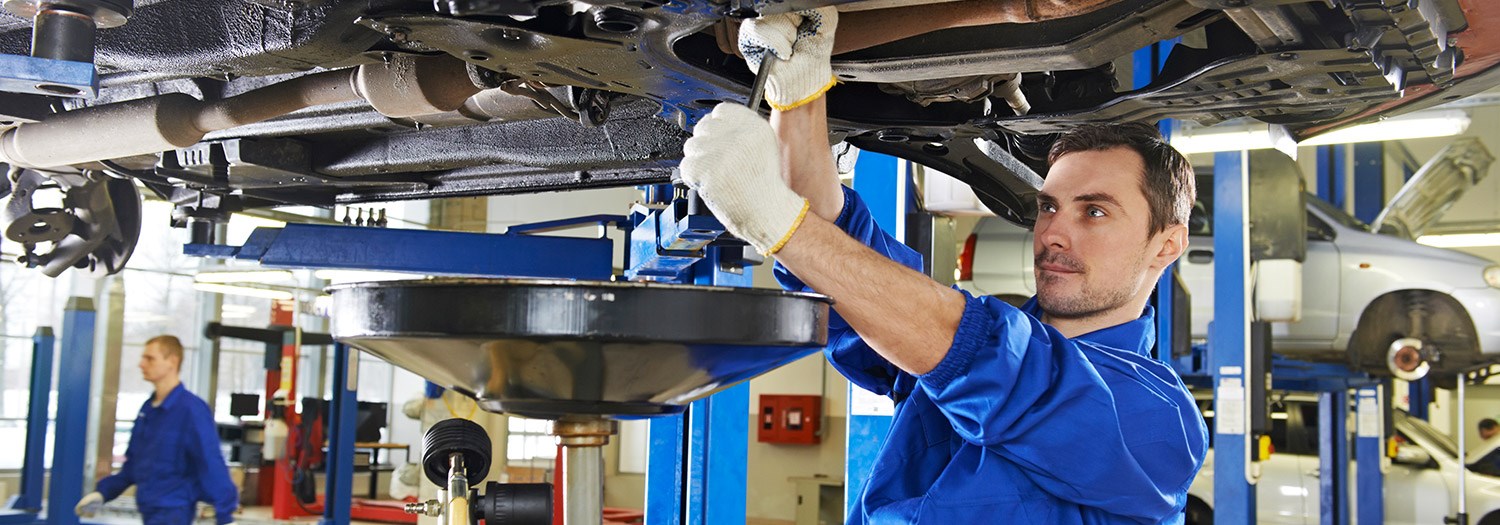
973,329
844,213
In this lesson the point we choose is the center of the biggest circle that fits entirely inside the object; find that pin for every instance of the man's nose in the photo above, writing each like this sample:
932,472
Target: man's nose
1054,233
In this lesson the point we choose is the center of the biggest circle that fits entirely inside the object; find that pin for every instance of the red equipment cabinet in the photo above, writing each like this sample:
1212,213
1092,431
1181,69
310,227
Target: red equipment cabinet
792,420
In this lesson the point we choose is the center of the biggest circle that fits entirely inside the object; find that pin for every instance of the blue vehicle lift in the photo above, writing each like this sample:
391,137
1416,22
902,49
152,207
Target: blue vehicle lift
66,484
26,505
1230,372
670,241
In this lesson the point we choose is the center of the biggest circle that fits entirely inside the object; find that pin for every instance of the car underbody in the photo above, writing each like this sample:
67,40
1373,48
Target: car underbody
227,104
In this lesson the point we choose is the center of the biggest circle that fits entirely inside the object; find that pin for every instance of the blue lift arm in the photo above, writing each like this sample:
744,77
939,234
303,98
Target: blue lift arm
421,251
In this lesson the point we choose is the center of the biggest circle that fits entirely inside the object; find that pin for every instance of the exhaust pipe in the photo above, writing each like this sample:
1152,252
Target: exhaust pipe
406,86
160,123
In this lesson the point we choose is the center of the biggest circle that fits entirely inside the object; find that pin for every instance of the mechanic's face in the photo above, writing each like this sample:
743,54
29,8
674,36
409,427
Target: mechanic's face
1486,433
1093,250
155,365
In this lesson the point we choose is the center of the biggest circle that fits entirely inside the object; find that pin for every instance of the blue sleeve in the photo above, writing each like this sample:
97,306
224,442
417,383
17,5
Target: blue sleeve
1094,427
214,485
115,484
850,355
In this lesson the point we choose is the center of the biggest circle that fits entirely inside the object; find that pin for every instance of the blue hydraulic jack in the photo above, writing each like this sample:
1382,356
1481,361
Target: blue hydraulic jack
670,239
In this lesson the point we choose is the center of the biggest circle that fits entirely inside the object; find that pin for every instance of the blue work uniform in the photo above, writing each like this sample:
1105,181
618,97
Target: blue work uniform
1019,424
174,461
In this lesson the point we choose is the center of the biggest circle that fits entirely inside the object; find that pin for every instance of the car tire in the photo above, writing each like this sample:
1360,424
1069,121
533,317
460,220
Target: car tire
1492,518
1198,513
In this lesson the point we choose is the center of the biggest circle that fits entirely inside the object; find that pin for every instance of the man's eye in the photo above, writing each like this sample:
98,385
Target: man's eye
1096,212
1046,207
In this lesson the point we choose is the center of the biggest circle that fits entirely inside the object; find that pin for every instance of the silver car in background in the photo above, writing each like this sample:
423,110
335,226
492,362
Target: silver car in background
1373,300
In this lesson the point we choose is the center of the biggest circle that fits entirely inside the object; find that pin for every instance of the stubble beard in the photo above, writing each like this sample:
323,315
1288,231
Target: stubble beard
1092,299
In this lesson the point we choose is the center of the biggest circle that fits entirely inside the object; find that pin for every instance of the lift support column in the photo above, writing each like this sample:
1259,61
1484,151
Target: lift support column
69,440
882,181
1371,407
1229,341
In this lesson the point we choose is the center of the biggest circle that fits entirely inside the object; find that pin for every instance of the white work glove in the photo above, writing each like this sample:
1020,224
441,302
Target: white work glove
803,41
733,162
89,505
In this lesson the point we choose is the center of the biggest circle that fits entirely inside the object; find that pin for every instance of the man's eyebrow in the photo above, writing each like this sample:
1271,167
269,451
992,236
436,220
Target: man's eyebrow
1098,197
1044,197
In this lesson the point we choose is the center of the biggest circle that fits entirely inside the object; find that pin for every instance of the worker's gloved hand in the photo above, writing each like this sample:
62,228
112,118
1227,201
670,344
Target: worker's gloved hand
803,41
733,162
89,505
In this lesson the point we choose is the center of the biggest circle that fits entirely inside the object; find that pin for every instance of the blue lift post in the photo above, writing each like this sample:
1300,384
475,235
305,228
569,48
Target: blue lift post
882,182
1333,457
719,423
1369,453
685,485
1229,340
1334,180
1333,382
27,504
339,484
77,361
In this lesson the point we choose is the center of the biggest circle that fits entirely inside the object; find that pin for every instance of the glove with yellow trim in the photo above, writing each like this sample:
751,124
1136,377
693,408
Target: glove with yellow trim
803,41
733,162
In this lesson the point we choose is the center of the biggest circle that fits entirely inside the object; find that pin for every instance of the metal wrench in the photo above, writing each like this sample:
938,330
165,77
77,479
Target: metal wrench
758,89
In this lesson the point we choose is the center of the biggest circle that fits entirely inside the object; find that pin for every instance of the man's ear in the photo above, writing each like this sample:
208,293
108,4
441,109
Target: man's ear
1174,242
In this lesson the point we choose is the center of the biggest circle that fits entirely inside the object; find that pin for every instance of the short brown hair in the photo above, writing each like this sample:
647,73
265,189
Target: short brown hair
1168,179
170,346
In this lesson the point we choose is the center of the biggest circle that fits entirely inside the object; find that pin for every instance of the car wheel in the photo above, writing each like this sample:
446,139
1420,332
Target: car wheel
1492,518
1198,513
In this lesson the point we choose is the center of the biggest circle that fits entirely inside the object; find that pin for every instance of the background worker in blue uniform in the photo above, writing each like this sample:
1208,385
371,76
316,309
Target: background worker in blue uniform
173,458
1489,463
1051,413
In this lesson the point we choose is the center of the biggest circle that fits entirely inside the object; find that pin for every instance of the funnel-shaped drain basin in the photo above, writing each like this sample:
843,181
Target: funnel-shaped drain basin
547,349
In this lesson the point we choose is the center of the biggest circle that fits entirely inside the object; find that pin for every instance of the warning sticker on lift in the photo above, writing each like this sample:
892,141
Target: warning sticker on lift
1229,406
1369,417
866,403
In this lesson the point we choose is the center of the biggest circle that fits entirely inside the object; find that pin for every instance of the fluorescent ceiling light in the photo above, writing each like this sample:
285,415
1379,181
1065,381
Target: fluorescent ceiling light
1419,125
1426,124
238,311
1461,240
363,275
263,293
1236,140
243,276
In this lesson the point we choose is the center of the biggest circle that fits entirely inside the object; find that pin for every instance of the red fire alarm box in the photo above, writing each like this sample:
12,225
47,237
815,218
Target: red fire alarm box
794,420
